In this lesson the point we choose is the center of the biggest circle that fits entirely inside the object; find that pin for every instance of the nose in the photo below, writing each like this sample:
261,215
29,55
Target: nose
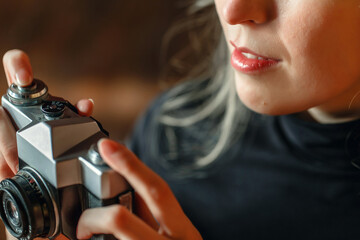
248,11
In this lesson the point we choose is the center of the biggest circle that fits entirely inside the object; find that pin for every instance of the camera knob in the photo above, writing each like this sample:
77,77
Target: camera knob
95,156
27,96
53,109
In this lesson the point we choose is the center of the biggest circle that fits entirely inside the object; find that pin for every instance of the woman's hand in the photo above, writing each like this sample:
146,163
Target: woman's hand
18,70
154,199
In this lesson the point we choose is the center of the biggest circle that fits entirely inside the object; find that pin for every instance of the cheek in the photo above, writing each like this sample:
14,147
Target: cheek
219,7
323,48
300,33
321,58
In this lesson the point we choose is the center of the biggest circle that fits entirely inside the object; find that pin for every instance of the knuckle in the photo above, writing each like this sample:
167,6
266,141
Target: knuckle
10,153
119,217
129,166
5,171
5,119
3,166
2,113
159,191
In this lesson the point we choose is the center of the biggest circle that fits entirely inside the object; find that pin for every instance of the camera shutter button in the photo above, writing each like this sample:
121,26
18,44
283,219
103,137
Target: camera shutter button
34,94
53,109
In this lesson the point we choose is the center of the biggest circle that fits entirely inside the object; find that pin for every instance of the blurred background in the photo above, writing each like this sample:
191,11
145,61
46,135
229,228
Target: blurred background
105,50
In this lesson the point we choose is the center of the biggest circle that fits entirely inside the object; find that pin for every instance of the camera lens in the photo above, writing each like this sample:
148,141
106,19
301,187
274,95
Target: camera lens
26,208
14,214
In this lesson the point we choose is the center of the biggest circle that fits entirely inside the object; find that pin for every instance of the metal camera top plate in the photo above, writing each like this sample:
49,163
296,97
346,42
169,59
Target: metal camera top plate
59,148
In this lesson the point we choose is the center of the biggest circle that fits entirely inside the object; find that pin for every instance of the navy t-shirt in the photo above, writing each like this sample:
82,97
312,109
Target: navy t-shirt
289,179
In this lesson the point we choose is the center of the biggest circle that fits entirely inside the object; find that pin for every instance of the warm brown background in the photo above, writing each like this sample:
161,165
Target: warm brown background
104,50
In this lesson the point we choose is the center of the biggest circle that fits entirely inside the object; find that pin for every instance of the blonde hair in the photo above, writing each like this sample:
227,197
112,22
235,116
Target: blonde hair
205,105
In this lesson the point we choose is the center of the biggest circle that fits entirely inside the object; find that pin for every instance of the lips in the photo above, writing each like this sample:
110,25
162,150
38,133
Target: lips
246,61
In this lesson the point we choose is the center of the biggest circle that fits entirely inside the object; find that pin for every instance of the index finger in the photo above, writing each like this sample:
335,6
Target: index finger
150,186
17,68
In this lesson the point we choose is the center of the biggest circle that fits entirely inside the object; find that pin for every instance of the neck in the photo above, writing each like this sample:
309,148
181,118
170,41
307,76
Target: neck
324,117
343,108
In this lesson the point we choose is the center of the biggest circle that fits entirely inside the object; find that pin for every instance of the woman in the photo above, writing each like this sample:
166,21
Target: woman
291,174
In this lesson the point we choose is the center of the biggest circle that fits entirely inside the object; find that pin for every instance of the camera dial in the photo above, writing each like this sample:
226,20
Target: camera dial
95,156
53,109
30,95
60,174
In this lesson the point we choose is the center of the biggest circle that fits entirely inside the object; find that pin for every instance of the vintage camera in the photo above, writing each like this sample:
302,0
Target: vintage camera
60,172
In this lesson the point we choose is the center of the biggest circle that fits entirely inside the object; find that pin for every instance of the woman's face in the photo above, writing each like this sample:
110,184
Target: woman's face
301,54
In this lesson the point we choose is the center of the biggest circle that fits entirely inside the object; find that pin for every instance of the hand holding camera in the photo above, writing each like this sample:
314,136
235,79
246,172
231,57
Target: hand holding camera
60,172
62,175
18,70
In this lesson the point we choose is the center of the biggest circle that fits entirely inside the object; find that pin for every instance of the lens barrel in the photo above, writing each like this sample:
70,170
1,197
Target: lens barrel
26,206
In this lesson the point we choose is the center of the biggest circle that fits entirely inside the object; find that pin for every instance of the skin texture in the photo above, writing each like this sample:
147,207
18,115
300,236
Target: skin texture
156,197
153,198
18,70
318,43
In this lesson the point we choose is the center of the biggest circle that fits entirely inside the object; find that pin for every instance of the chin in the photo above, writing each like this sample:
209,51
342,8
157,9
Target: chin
272,111
273,108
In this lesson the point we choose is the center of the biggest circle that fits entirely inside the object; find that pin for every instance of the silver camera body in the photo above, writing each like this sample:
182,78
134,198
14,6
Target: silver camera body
60,173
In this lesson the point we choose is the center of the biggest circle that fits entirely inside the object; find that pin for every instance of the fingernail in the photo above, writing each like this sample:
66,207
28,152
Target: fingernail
23,77
107,146
82,108
91,100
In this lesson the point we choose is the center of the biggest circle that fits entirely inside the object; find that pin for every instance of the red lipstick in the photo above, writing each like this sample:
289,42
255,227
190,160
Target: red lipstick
246,61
